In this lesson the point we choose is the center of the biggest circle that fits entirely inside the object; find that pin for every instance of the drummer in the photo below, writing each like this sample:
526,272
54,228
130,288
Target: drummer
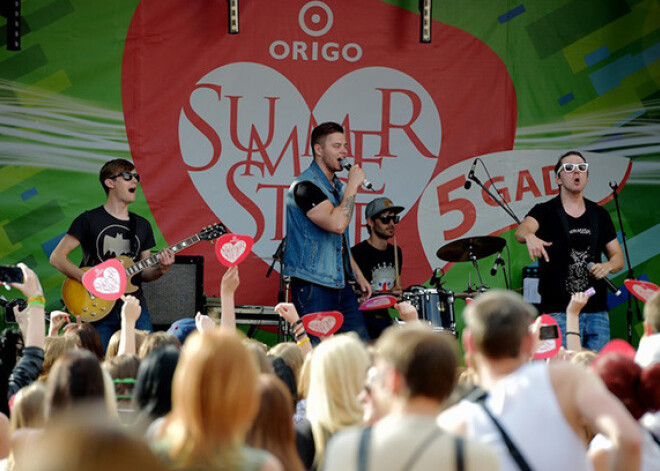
379,260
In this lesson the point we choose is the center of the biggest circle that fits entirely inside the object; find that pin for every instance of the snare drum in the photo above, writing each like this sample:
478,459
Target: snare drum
434,306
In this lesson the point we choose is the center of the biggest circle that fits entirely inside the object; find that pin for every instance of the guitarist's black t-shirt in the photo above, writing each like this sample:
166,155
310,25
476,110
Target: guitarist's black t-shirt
103,236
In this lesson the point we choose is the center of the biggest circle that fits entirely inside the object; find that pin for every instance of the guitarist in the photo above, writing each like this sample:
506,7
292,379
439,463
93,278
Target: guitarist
110,231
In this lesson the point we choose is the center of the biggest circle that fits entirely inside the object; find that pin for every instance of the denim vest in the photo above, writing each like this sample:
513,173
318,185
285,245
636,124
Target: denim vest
312,253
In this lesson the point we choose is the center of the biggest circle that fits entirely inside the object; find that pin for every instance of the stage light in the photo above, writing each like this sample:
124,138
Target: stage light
11,9
425,20
233,16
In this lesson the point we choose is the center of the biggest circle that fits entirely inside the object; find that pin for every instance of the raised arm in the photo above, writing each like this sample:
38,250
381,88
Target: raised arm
59,258
228,287
336,218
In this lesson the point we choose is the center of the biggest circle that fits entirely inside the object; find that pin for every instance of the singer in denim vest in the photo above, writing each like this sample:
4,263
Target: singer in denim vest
318,211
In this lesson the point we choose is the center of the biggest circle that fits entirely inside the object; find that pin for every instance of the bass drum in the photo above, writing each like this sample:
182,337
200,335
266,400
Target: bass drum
434,306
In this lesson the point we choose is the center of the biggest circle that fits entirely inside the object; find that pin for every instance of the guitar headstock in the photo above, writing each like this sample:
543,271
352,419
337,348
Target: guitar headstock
212,232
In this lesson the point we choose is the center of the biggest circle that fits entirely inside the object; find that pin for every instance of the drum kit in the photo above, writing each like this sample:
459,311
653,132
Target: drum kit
436,305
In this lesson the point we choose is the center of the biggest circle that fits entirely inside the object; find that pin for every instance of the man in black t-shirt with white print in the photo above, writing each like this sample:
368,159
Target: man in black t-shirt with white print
376,259
109,231
566,234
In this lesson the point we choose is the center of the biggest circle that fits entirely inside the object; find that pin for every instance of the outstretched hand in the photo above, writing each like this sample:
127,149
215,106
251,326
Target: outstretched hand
230,281
407,311
204,323
288,312
131,310
57,321
31,285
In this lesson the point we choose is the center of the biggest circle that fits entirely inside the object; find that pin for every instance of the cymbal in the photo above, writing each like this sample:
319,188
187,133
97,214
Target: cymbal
460,250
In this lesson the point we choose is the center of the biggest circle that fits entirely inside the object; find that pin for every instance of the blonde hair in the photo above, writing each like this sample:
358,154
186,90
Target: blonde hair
28,410
157,340
55,347
291,354
303,378
214,399
113,343
338,370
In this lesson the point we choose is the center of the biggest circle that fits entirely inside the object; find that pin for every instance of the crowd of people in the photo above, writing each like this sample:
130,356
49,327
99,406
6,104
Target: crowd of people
377,395
212,399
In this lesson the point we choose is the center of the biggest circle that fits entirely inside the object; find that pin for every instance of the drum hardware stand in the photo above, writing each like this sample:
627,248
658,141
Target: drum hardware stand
630,276
473,259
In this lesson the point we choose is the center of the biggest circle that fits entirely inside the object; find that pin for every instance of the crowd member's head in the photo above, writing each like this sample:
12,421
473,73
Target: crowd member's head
652,314
152,394
416,362
28,407
84,444
635,387
498,326
121,368
76,379
157,340
291,354
338,370
89,338
259,351
113,344
272,429
214,400
55,347
113,169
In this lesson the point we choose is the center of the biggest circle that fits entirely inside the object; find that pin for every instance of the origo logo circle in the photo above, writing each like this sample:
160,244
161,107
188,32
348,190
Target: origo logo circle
315,18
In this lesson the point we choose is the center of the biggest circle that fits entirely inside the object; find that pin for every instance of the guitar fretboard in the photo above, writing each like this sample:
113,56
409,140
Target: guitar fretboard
153,260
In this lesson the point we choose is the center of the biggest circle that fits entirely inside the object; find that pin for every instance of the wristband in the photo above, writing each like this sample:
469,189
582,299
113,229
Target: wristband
301,335
297,323
36,302
303,342
37,298
573,333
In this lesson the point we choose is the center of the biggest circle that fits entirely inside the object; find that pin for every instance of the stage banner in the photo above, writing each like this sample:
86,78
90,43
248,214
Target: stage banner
218,124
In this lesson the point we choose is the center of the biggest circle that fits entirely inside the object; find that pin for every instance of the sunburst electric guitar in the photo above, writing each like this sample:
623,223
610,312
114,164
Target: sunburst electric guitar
80,302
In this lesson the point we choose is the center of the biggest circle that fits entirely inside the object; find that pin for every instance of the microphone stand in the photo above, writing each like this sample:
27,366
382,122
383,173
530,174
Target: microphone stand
631,276
506,209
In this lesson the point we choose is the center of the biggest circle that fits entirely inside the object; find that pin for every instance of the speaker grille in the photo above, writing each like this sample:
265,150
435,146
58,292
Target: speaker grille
177,294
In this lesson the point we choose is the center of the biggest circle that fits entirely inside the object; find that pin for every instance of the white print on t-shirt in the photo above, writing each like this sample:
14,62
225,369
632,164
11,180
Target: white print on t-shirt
577,276
581,231
382,278
114,241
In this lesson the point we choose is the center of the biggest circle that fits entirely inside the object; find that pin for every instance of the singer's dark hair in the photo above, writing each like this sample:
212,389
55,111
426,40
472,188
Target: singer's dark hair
322,130
563,156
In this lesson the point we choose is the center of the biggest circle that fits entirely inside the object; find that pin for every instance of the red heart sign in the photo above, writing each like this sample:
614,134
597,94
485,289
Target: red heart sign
642,290
106,280
548,347
231,249
378,302
323,324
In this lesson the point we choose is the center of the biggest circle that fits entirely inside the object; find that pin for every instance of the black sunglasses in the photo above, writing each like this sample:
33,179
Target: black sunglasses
128,176
388,219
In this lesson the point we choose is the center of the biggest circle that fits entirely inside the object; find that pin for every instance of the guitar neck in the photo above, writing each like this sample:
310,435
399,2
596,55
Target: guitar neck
137,267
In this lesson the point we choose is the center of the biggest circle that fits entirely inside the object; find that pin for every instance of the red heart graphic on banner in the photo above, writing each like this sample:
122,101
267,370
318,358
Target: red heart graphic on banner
324,323
106,280
378,302
642,290
231,249
233,113
548,347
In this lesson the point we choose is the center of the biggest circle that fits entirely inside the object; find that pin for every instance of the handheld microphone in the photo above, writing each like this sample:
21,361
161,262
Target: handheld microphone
498,261
608,283
470,174
365,183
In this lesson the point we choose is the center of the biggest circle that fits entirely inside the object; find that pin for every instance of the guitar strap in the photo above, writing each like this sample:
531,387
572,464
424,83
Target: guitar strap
131,233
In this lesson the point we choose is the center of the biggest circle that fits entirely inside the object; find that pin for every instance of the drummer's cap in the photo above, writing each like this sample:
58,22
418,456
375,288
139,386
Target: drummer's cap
379,205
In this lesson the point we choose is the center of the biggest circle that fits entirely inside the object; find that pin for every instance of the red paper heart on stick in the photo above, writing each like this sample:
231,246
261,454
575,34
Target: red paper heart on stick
106,280
548,348
323,324
378,302
642,290
231,249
